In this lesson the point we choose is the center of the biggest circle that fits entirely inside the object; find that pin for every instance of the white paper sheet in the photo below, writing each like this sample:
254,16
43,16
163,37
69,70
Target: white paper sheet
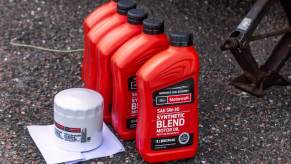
109,146
43,136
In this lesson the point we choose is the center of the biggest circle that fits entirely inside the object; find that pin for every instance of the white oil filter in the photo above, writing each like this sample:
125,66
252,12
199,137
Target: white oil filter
78,119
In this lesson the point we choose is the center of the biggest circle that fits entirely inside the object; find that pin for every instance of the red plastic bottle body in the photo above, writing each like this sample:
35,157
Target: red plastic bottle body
94,36
168,119
125,62
106,48
96,17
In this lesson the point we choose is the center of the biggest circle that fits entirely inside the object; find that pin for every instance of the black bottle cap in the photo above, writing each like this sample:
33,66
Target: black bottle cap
136,16
153,26
181,39
123,6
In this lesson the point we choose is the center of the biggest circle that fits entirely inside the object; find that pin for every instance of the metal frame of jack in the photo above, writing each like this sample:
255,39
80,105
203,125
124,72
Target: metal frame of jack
257,78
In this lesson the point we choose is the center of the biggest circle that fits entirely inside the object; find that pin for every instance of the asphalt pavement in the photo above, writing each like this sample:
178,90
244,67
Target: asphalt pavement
235,127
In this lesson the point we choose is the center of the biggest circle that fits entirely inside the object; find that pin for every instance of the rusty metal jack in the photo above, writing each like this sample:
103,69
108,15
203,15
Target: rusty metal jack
258,78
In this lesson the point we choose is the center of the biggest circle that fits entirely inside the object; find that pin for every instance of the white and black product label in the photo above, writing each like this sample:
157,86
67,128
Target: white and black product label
184,139
131,123
131,118
245,24
71,134
173,110
181,93
132,83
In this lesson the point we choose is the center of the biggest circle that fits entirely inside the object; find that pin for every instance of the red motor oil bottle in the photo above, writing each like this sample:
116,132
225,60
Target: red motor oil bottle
167,85
125,62
96,17
106,47
98,32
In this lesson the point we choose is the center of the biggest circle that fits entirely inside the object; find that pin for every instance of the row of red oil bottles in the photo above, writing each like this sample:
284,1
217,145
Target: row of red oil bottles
142,74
